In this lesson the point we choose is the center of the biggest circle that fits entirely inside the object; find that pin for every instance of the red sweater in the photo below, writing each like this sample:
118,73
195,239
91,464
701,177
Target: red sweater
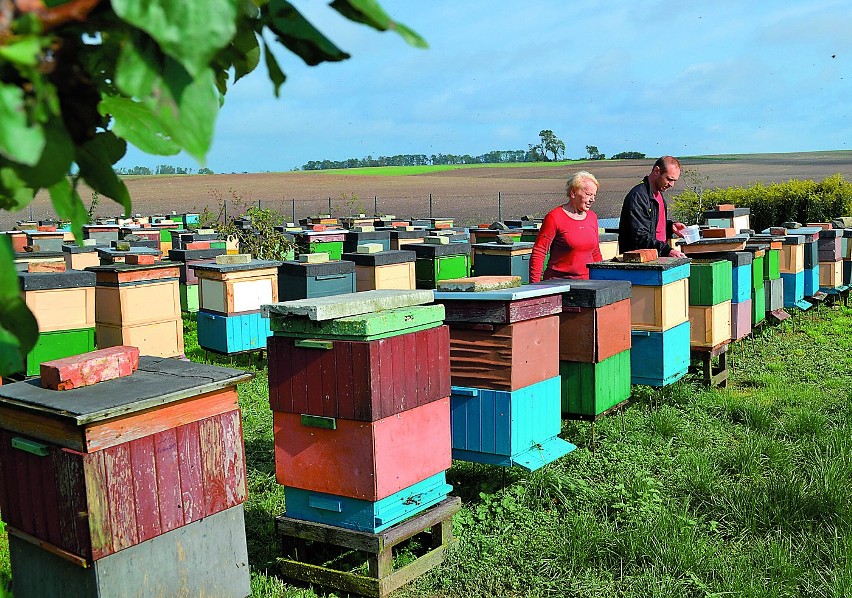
572,245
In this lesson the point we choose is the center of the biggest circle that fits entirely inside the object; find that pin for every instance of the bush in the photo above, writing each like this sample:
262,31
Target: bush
772,204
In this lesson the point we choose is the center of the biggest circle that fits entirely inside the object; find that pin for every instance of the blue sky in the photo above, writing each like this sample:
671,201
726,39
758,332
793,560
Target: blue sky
657,77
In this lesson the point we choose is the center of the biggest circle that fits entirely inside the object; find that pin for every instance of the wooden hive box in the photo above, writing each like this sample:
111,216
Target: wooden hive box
237,333
812,281
353,239
504,356
495,259
659,308
23,260
489,235
595,321
80,258
362,460
609,245
328,241
831,274
737,218
847,243
59,344
660,358
742,273
147,234
830,245
47,241
60,300
298,280
103,233
102,468
18,239
230,289
792,257
710,282
508,427
364,515
772,264
392,269
741,320
400,237
360,380
710,326
758,306
503,306
435,263
589,389
110,255
774,290
794,288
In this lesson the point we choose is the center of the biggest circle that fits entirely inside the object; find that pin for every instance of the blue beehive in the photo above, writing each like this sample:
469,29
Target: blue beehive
794,287
660,358
509,427
365,515
232,334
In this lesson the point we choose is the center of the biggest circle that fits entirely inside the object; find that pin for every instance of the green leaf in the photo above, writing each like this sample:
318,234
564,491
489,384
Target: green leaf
248,52
136,123
18,326
191,31
369,12
56,159
19,141
299,36
15,193
95,159
137,71
68,206
276,75
23,51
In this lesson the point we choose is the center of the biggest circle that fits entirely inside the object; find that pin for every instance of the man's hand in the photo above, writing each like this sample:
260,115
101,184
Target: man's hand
678,227
676,253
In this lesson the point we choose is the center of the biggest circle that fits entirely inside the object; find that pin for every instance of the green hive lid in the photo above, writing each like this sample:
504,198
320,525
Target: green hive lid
363,327
348,304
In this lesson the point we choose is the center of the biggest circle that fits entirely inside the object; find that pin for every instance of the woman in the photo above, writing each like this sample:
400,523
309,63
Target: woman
570,233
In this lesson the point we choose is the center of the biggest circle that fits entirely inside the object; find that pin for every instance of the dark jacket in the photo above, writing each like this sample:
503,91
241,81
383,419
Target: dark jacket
637,227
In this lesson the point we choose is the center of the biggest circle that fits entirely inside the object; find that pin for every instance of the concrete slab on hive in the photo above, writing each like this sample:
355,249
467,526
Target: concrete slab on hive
349,304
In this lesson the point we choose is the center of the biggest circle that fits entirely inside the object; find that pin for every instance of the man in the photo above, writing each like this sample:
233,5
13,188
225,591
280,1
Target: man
643,223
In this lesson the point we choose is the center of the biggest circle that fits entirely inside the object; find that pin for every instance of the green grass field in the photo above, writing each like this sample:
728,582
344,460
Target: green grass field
743,491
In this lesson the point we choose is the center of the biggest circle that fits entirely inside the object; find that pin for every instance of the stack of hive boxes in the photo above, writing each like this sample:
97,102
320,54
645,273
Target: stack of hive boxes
498,258
80,257
810,235
504,366
729,216
742,290
830,254
791,264
231,293
320,239
313,275
359,386
439,259
847,256
63,304
710,292
594,346
758,293
659,313
139,305
188,259
377,268
104,234
127,485
773,284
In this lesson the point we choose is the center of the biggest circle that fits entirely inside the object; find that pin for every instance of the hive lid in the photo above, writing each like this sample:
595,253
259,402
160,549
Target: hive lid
158,381
348,304
252,265
525,291
593,293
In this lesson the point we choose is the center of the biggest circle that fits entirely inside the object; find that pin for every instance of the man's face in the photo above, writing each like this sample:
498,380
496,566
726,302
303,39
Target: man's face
665,180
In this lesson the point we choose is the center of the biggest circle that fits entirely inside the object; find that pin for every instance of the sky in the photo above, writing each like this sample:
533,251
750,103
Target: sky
687,78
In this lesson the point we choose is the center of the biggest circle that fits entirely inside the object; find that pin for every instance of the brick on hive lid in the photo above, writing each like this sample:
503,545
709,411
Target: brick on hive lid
313,258
47,266
369,248
87,369
726,207
822,225
318,227
436,240
717,233
206,231
140,259
777,231
639,256
233,258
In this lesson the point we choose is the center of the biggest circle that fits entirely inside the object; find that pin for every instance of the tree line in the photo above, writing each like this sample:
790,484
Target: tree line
161,169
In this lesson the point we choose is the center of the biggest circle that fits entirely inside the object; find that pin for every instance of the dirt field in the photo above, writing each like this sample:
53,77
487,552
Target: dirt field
469,195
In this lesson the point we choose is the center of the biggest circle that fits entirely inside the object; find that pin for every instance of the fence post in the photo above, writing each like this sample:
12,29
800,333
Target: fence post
430,205
225,208
31,212
376,206
294,210
258,203
499,206
329,207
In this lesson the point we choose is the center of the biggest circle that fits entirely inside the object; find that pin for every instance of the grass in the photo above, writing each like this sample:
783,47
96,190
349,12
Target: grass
742,491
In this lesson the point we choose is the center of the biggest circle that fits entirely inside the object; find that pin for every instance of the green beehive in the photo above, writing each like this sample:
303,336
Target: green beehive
771,267
589,389
429,271
757,272
758,306
59,344
710,282
334,249
189,297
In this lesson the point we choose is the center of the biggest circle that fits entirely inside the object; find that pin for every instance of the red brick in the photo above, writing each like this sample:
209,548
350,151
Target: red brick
46,228
318,227
140,259
197,245
777,230
89,368
726,207
718,233
639,256
46,267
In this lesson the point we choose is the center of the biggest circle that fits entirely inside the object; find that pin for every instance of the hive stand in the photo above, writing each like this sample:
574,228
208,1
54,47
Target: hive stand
382,579
713,375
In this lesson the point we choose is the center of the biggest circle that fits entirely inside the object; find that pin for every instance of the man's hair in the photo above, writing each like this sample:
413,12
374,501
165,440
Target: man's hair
577,179
665,163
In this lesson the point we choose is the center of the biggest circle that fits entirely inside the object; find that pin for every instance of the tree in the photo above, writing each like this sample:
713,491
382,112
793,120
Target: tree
550,143
593,152
79,79
628,156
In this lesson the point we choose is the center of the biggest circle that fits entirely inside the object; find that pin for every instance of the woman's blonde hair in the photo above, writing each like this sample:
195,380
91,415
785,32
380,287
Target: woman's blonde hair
576,179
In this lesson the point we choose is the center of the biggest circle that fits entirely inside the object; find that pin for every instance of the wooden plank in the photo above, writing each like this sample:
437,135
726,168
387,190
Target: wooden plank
411,571
122,512
41,427
190,468
213,465
168,480
235,463
97,505
331,578
145,491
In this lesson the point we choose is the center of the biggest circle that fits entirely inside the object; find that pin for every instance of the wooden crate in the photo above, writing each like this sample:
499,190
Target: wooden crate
365,515
161,339
504,356
231,289
710,325
297,280
589,389
182,562
508,428
357,380
303,539
363,460
60,300
659,308
59,344
137,456
831,274
660,358
232,334
741,320
710,281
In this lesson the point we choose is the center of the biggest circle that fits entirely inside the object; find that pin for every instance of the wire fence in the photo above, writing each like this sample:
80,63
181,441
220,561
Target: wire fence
465,209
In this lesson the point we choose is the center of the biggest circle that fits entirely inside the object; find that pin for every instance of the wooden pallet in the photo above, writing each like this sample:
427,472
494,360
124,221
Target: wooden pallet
713,375
382,579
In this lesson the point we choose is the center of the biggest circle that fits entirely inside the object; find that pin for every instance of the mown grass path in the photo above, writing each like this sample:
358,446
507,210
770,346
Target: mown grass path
744,491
